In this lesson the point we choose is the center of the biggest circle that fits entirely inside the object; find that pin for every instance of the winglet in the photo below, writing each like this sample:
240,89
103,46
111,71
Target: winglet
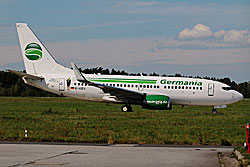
78,74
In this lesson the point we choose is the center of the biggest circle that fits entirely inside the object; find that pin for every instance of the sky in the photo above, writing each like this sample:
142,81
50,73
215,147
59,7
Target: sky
193,38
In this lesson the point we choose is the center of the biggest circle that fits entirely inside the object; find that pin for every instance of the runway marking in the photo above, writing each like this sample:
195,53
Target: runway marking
48,163
35,161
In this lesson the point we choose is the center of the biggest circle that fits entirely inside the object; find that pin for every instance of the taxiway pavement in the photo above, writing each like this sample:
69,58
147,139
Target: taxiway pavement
31,154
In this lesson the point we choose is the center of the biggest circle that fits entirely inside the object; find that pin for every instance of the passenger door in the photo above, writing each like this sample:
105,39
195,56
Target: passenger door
61,84
210,89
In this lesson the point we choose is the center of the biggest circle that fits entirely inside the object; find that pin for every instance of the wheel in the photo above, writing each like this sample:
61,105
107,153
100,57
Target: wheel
214,111
126,108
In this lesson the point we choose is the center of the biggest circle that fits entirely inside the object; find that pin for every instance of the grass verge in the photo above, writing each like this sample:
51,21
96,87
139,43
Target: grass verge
72,120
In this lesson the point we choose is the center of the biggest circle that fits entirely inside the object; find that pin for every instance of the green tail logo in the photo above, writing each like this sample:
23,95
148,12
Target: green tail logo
33,51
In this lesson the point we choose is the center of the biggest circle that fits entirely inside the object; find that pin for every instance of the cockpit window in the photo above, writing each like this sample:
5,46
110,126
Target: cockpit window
227,88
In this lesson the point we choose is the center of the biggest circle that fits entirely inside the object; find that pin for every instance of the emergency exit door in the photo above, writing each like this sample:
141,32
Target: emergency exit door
61,84
210,89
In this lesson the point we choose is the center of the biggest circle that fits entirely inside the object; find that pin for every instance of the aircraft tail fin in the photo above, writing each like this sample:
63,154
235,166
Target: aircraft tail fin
37,59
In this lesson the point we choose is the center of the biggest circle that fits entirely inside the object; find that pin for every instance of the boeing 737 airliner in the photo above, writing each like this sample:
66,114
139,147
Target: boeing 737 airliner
42,71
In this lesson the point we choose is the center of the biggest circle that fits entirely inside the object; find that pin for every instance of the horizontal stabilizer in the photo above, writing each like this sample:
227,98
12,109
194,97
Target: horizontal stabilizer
21,74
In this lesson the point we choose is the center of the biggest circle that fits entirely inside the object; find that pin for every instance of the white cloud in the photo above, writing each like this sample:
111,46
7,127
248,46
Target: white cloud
199,31
219,38
242,36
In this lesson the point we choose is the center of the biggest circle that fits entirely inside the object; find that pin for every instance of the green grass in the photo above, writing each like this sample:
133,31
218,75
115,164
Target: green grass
74,120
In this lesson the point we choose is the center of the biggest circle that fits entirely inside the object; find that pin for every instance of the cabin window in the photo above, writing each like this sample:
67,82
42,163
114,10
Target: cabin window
168,87
193,88
175,87
158,86
179,87
183,87
197,88
186,87
172,87
144,86
120,85
136,86
124,85
74,83
132,86
200,88
151,86
190,87
128,86
165,87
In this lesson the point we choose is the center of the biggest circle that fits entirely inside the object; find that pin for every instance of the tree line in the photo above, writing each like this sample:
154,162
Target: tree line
13,85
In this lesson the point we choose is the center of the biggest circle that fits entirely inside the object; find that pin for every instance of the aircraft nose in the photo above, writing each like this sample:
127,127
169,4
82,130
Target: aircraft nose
238,96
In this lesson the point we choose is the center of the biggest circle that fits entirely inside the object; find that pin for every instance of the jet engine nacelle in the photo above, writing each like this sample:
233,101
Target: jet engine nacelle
159,102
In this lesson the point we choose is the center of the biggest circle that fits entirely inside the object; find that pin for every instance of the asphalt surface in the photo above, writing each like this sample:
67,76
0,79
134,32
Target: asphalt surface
31,154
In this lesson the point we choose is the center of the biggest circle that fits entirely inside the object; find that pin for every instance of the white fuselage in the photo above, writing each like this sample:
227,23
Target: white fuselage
44,72
182,91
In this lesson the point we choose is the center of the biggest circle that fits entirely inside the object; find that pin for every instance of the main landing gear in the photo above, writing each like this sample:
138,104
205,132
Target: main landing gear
214,111
126,108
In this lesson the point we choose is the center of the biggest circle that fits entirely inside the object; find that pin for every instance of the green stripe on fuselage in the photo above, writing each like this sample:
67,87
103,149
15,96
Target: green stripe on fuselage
120,80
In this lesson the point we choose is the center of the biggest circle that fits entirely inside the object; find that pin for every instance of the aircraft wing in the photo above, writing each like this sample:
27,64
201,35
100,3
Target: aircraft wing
21,74
120,94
